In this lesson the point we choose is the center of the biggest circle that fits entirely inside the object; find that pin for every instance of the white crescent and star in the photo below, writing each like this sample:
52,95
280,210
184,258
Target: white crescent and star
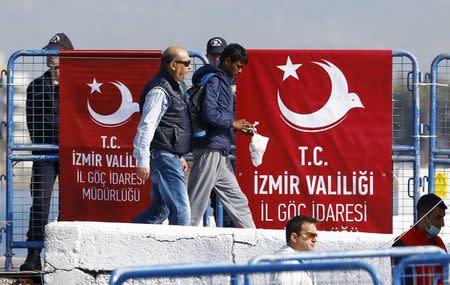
333,112
122,114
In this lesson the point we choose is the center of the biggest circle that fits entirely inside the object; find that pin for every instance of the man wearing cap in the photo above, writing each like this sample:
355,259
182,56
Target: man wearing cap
214,49
430,214
163,136
43,125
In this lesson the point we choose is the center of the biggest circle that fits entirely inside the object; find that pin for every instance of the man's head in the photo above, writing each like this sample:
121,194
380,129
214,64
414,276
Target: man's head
301,233
233,59
58,42
433,220
214,49
176,61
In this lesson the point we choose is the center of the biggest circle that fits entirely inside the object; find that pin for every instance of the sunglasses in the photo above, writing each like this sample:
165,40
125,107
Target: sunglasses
184,62
310,234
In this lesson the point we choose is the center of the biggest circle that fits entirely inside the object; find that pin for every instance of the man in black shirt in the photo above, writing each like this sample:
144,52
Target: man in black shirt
43,125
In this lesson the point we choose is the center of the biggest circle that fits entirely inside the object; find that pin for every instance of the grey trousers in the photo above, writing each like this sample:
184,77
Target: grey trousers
212,171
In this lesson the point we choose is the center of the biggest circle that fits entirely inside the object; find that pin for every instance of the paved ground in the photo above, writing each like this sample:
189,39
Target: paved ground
17,261
15,277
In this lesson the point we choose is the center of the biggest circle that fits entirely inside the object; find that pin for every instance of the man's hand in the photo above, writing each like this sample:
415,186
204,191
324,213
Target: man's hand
184,164
243,126
143,172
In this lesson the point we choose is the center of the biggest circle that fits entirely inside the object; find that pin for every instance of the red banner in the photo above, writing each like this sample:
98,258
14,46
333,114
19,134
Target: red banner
329,120
99,113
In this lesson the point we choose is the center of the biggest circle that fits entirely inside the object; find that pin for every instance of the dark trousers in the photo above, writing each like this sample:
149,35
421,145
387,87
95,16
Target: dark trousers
42,181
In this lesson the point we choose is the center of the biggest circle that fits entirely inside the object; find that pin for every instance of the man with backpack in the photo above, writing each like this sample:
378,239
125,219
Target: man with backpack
211,169
214,49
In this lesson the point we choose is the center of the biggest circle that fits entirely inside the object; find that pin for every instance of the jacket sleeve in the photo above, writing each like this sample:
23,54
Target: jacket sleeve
212,111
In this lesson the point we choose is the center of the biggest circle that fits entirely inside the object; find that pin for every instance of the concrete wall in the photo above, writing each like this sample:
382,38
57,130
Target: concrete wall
86,252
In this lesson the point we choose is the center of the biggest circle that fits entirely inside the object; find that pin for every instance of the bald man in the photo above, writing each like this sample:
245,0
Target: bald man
163,137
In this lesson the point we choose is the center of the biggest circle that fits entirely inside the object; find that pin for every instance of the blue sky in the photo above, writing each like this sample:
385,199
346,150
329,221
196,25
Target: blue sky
417,26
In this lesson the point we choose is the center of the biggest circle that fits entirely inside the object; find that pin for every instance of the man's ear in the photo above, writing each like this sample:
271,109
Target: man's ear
293,237
171,65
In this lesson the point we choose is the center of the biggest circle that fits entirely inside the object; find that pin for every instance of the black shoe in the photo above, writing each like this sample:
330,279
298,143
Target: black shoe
33,261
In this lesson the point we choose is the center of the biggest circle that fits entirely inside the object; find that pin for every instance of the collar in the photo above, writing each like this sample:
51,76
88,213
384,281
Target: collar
175,84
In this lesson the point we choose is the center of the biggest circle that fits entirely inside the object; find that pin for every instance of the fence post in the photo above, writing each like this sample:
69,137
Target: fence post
416,125
433,120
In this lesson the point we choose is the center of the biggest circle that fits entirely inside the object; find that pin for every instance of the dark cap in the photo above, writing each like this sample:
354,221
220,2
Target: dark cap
216,45
428,201
59,41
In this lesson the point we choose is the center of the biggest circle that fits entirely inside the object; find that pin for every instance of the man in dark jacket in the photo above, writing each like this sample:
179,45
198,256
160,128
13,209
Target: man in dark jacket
43,125
214,49
163,135
211,169
431,213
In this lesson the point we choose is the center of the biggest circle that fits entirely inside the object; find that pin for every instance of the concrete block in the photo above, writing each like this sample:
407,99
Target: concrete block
86,252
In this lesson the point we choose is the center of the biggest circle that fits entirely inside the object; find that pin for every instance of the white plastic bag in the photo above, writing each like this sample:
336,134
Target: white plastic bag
257,147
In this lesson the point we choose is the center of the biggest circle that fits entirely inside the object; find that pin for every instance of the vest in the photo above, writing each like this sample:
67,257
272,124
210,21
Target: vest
174,131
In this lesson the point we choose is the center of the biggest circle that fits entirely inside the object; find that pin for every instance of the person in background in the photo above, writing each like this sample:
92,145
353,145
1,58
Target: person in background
163,136
301,235
42,114
214,49
430,213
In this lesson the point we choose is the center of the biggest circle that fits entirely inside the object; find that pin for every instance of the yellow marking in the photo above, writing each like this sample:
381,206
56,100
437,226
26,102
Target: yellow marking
440,182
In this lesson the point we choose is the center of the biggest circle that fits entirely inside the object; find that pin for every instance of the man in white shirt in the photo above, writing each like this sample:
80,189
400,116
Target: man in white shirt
163,136
301,235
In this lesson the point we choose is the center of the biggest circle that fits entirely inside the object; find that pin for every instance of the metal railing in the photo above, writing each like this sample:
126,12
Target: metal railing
380,258
406,141
119,276
439,130
424,269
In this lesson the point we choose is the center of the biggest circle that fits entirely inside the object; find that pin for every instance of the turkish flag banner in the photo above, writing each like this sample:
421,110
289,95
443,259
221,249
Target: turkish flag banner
328,117
99,112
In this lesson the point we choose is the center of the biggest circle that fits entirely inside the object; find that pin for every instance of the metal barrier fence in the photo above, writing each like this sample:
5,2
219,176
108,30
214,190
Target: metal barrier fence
24,66
405,139
326,267
439,130
379,258
423,269
230,274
